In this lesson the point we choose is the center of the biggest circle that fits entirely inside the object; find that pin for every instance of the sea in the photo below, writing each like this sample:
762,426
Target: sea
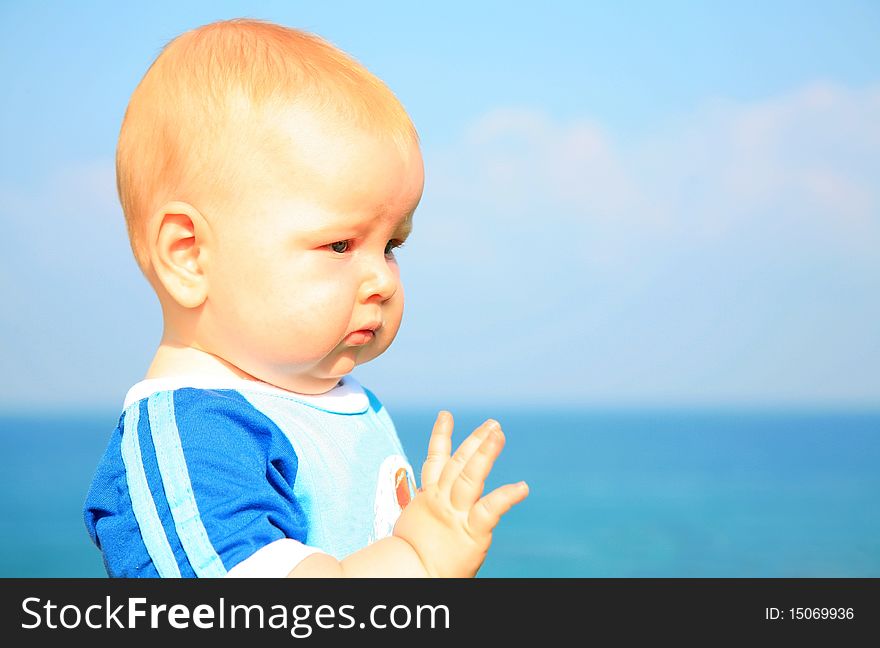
615,493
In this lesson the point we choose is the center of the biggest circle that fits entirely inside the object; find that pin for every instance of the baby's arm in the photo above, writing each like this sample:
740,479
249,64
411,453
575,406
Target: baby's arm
446,530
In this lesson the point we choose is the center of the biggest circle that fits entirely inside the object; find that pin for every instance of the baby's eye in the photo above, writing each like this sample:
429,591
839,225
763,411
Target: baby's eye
340,246
392,245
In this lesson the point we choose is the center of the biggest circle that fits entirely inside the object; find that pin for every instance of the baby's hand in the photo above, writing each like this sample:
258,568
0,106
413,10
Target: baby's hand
448,523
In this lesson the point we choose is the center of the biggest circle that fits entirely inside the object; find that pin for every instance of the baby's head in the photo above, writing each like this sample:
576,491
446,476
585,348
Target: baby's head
266,179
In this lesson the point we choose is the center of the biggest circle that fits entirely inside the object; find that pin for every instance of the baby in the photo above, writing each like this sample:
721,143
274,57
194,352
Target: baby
266,180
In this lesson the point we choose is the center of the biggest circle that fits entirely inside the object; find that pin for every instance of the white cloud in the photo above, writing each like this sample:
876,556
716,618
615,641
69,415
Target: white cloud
809,158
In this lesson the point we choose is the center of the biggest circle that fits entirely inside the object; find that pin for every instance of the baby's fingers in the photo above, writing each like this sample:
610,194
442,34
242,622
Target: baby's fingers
439,449
468,487
463,454
486,513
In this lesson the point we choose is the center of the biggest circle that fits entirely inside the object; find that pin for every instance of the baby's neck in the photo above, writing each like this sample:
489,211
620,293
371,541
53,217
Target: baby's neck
176,360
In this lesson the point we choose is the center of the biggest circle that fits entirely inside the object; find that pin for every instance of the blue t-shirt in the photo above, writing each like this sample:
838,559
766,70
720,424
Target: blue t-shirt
203,476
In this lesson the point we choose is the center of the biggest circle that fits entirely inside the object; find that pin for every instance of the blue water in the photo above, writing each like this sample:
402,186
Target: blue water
613,493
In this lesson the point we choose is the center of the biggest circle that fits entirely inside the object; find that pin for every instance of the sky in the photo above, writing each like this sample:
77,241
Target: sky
641,204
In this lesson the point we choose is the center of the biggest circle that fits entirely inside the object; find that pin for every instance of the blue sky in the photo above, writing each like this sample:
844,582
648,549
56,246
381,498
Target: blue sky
644,204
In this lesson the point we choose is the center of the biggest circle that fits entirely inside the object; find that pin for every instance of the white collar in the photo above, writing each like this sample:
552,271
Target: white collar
348,397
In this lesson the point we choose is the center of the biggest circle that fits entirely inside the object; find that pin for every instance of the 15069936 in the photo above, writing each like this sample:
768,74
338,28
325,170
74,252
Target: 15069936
821,613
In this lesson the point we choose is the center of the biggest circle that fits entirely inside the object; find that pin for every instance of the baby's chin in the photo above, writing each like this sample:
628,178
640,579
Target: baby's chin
345,362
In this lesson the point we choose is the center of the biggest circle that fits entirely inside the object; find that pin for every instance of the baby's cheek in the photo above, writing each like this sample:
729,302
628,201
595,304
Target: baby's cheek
314,327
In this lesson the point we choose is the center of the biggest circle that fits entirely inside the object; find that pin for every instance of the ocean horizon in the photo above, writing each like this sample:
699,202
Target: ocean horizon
615,492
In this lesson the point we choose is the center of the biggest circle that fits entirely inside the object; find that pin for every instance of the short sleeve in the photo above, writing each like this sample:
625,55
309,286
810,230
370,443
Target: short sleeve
276,559
205,483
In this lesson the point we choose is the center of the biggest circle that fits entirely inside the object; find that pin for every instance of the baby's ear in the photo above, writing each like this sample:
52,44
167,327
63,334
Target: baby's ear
177,238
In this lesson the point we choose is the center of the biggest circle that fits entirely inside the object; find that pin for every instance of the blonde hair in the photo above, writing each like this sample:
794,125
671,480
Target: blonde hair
207,90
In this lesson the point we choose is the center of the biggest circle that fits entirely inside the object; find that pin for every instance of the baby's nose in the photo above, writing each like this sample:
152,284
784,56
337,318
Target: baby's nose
381,282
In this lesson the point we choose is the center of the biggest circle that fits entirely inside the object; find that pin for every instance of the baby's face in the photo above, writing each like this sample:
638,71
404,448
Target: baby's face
303,284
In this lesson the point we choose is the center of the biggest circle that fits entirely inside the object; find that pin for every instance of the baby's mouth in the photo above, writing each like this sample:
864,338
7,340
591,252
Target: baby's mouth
357,338
365,334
